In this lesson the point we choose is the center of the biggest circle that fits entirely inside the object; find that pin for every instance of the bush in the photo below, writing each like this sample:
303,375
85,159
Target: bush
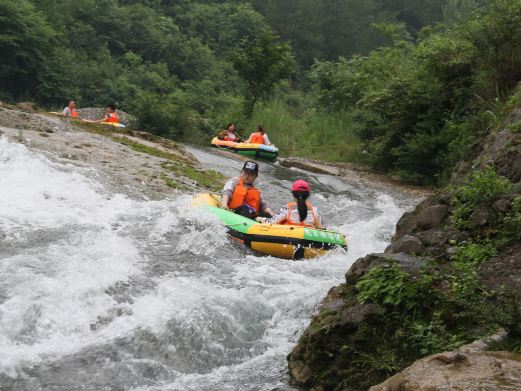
474,253
511,225
481,187
441,308
159,115
386,285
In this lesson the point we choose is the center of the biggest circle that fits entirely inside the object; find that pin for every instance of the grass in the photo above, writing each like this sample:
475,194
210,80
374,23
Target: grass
210,179
171,183
138,147
309,133
176,163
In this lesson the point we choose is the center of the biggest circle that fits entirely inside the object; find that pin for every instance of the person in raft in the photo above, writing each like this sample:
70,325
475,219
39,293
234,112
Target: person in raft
259,136
229,134
298,212
242,197
111,115
70,110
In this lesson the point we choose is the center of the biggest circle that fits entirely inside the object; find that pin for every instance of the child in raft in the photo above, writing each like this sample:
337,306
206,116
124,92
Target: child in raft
300,212
259,136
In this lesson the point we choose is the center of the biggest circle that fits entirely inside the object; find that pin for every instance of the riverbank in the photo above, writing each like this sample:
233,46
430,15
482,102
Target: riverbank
354,172
451,274
168,167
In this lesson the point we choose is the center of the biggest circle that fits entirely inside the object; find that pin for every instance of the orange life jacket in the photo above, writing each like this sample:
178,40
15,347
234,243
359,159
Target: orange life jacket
228,138
257,138
74,113
243,195
113,117
292,206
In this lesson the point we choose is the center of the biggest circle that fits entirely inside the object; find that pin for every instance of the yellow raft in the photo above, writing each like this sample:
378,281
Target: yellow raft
278,240
269,152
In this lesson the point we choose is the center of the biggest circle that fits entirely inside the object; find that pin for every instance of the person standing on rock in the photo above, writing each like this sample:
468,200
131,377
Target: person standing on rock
70,110
242,197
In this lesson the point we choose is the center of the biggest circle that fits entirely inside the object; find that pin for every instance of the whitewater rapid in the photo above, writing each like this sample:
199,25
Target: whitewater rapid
99,291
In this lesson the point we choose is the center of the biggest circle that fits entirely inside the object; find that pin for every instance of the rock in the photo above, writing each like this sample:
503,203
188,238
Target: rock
351,317
484,216
441,236
406,244
28,107
309,165
326,356
509,164
503,269
451,251
456,371
432,216
409,263
407,224
502,205
330,343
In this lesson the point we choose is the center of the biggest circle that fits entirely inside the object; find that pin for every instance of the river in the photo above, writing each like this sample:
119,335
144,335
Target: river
101,291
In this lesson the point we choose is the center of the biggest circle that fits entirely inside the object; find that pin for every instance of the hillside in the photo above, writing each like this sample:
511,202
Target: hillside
452,274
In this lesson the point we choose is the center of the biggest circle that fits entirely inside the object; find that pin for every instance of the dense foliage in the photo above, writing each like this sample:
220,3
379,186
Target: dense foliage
420,106
406,86
183,67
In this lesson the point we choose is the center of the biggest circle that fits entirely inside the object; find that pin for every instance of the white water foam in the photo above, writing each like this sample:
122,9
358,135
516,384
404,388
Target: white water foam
226,318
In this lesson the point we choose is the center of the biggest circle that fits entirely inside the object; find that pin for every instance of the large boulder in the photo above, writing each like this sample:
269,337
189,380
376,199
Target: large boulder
28,107
484,216
440,237
457,371
321,359
503,269
407,224
406,244
409,263
432,216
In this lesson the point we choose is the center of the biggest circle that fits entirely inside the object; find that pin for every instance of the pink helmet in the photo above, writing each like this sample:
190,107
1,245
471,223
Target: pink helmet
300,185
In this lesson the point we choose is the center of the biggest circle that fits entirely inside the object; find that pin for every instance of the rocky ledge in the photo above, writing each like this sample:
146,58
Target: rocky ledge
471,367
451,274
133,162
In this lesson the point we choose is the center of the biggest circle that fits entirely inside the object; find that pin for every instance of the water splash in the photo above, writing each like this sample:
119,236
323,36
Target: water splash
99,290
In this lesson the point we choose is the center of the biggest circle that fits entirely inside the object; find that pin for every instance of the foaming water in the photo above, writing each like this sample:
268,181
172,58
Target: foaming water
100,291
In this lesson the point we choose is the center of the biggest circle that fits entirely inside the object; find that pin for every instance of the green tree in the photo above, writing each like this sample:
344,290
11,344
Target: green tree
261,63
25,41
458,10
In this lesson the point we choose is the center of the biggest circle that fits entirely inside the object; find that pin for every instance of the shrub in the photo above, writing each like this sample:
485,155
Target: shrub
483,186
386,285
161,116
511,225
475,253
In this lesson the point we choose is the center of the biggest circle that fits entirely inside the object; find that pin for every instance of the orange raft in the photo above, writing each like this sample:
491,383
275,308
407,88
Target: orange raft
261,151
